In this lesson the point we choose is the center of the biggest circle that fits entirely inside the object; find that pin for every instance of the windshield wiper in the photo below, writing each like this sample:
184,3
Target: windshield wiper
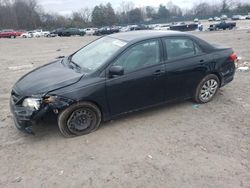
73,64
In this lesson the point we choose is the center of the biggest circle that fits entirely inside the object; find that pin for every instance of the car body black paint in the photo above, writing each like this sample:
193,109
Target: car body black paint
46,78
166,81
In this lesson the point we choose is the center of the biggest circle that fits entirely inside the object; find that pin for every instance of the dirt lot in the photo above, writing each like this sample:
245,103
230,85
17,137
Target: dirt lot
175,145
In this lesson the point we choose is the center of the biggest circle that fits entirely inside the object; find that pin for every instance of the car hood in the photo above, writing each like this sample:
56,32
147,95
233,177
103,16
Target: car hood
46,78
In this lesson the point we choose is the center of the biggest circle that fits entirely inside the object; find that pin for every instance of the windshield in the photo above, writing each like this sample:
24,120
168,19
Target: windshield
92,56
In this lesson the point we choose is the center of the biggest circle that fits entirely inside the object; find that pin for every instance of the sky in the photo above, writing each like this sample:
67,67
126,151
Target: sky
67,6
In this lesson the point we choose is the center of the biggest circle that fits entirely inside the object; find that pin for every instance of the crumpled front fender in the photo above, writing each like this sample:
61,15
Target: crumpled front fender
58,102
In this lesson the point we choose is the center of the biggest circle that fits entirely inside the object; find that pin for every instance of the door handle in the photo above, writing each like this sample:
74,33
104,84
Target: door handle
158,72
202,61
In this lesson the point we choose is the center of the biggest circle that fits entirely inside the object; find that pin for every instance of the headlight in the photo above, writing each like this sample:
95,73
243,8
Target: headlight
32,103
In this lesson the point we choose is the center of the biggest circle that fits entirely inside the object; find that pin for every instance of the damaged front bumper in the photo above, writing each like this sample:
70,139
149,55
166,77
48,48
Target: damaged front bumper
25,118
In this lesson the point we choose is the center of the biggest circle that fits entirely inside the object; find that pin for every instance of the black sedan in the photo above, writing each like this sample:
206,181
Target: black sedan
121,73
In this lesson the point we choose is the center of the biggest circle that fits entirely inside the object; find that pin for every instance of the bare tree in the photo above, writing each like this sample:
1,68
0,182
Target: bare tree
86,14
126,6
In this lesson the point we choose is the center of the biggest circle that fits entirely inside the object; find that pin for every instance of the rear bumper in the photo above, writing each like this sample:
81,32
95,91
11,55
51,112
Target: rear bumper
227,80
227,74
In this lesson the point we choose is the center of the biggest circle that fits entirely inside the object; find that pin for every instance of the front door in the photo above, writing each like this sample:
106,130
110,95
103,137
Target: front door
143,81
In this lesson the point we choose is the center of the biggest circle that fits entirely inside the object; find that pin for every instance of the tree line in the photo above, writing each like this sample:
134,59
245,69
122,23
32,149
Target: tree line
28,14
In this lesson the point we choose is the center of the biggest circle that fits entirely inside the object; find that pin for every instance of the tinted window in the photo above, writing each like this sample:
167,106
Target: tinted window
180,48
140,56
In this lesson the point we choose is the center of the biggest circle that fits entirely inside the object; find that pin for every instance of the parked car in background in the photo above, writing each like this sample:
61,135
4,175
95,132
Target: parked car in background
210,19
125,29
139,27
162,27
41,32
118,74
90,31
224,17
20,32
184,27
103,31
63,32
107,31
31,34
217,19
8,33
196,20
57,31
26,35
36,34
222,25
238,17
50,35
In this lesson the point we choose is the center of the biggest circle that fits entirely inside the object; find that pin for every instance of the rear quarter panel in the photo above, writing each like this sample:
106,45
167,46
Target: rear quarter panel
224,65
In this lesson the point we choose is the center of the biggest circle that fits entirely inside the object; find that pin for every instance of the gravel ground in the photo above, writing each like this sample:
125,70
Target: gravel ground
174,145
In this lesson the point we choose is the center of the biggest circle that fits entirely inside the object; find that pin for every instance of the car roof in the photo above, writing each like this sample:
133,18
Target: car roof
146,34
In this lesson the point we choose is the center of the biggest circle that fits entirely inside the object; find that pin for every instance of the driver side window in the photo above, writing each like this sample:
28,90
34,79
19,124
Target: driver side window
139,56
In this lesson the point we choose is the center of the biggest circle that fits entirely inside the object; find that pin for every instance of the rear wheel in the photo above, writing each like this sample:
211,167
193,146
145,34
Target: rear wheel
79,119
207,89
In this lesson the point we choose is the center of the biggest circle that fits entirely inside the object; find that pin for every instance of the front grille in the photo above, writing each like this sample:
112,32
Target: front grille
15,96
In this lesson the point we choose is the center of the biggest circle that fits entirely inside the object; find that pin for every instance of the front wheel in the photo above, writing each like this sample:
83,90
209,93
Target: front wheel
207,88
79,119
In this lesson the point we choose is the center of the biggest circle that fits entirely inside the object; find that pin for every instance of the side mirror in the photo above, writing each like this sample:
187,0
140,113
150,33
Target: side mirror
116,71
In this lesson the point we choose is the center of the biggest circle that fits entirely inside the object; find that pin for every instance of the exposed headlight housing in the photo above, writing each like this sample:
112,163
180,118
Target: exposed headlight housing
34,103
50,99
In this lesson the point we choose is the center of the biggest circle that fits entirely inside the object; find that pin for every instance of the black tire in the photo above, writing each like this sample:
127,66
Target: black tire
66,117
198,93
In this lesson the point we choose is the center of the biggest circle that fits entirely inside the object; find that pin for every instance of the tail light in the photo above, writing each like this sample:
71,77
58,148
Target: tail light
234,57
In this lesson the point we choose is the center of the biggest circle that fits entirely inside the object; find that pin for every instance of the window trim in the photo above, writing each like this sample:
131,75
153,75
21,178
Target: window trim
179,58
162,62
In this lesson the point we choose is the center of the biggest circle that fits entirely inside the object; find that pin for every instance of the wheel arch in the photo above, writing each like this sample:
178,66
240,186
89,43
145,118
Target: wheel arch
94,103
218,75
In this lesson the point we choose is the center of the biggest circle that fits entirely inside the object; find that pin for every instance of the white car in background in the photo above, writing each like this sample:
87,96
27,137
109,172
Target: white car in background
30,34
35,34
90,31
41,32
125,29
224,17
26,35
196,20
210,19
217,19
162,27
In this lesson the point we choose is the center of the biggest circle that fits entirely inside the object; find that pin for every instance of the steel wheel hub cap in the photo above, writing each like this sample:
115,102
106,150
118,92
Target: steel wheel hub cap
80,120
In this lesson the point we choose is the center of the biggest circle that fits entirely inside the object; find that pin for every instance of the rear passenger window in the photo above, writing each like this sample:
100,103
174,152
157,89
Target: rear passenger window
198,50
181,48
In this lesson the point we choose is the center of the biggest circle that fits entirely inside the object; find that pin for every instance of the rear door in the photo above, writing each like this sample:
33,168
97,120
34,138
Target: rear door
185,66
